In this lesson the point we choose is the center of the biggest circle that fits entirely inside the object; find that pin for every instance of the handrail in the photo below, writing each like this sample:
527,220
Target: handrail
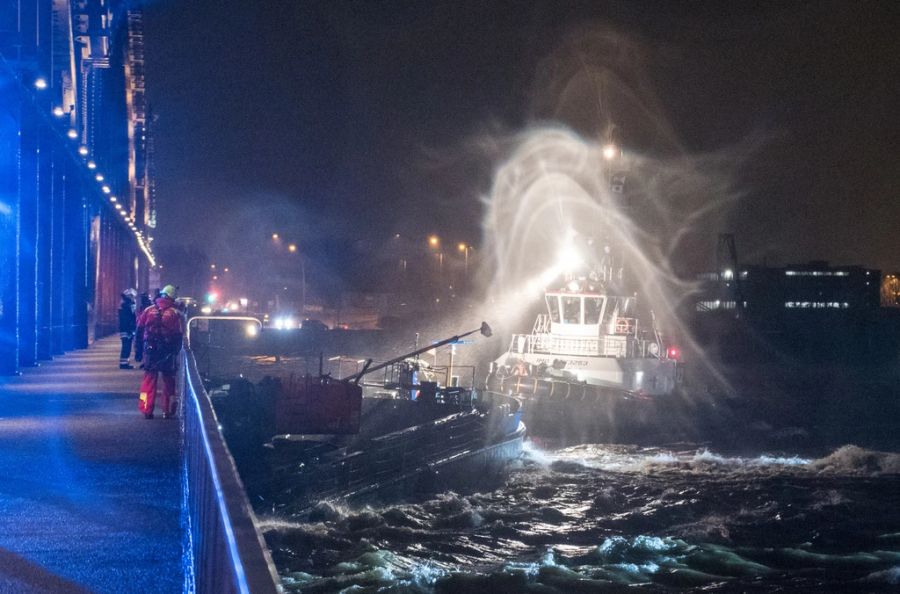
237,318
228,553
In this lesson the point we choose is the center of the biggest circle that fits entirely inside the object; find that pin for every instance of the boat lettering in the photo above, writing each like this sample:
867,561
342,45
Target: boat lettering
569,364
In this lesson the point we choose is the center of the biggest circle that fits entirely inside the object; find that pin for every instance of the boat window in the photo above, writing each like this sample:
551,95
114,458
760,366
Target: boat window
571,310
553,306
592,308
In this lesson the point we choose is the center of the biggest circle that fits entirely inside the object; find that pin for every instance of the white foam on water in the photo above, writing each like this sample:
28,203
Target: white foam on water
886,576
630,460
707,457
281,525
782,461
638,570
426,574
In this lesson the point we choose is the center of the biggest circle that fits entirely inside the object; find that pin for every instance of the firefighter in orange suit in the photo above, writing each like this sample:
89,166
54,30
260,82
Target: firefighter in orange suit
161,328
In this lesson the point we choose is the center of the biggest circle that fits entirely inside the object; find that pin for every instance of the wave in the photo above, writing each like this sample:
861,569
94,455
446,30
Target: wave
854,460
847,460
373,570
887,576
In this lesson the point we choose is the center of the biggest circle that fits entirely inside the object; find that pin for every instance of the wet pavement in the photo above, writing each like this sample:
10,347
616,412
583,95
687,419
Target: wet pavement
90,491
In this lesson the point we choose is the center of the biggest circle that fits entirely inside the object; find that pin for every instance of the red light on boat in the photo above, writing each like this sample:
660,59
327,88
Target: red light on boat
674,353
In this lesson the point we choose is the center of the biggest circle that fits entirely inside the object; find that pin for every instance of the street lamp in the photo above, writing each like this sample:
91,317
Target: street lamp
292,248
435,242
302,284
465,250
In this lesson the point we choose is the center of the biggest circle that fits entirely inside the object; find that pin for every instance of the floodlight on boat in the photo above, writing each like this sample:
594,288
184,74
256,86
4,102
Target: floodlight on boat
569,259
610,151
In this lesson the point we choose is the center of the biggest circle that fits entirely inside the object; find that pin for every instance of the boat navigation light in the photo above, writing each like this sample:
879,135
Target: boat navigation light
674,353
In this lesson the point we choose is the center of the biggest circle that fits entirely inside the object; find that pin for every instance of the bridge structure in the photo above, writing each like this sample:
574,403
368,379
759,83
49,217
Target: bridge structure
77,207
95,497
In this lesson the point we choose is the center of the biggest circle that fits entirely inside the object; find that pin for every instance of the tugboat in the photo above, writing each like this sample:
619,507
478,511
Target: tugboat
590,367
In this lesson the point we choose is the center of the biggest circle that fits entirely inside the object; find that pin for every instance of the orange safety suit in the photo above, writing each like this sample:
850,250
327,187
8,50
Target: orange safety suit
160,327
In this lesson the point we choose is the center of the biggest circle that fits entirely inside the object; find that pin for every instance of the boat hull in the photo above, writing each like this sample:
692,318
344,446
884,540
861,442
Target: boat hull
408,449
564,412
465,471
646,375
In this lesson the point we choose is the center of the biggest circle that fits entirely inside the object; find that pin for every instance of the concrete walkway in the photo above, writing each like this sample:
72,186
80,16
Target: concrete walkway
90,491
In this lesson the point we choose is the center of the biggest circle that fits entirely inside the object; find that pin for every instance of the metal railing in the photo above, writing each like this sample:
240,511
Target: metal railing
617,345
227,551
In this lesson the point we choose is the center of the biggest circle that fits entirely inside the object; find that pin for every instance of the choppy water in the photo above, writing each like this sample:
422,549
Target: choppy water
597,518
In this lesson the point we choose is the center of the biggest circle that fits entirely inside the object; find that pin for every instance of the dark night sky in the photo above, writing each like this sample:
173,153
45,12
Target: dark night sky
331,117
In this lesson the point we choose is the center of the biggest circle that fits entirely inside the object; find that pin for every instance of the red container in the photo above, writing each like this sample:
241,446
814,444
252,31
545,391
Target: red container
314,405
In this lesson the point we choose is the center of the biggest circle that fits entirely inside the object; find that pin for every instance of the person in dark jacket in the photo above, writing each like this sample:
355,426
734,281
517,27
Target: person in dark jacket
127,325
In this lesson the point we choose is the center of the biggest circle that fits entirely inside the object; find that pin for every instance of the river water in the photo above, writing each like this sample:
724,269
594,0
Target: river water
772,499
598,518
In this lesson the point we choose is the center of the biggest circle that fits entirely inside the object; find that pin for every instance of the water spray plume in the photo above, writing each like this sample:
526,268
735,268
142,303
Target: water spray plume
566,196
637,203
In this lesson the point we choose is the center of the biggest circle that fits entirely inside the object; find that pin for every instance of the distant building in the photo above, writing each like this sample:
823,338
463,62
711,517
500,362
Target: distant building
761,291
811,312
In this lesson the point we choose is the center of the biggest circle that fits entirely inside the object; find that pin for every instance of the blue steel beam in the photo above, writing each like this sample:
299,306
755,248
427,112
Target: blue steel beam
65,253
